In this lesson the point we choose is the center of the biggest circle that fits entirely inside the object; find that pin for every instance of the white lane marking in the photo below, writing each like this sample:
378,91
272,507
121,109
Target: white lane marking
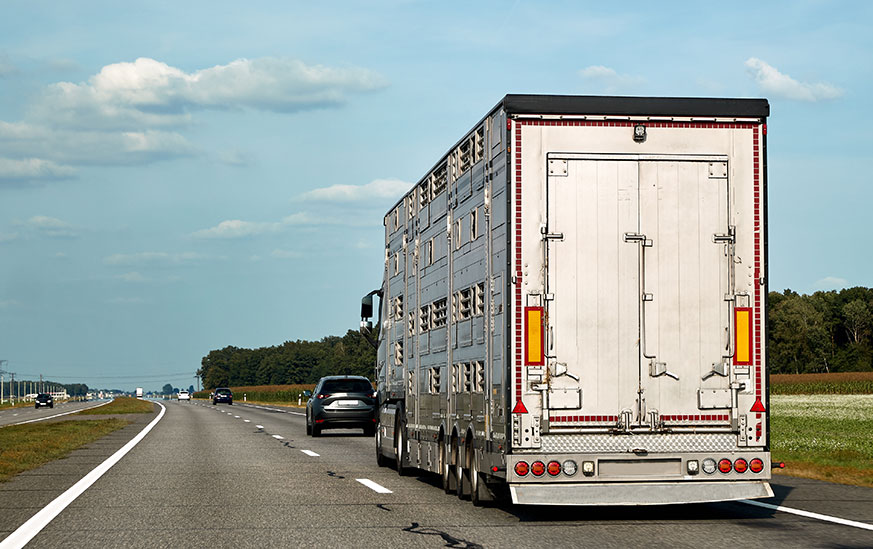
278,437
37,522
310,453
378,488
236,417
274,409
247,420
230,413
259,426
807,514
59,415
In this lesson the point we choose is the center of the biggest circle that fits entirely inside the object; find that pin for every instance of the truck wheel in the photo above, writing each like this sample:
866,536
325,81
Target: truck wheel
380,459
479,492
462,474
400,444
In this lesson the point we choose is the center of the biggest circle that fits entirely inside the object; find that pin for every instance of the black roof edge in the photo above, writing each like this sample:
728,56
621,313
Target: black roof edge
630,106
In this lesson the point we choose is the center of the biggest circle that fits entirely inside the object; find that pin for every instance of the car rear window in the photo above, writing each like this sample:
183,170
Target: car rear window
347,386
222,392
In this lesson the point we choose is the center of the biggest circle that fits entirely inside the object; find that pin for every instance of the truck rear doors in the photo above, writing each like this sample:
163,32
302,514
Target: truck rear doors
639,253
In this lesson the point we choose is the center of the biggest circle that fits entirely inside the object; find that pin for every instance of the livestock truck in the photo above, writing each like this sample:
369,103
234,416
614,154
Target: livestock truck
573,305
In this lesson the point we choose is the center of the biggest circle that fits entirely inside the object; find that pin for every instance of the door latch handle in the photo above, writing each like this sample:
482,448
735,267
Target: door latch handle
658,369
637,237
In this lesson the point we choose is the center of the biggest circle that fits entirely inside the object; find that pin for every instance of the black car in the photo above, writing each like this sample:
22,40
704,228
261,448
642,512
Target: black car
222,394
340,402
44,399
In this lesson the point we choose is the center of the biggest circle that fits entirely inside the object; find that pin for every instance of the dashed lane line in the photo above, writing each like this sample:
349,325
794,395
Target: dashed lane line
37,522
259,426
310,453
278,437
378,488
807,514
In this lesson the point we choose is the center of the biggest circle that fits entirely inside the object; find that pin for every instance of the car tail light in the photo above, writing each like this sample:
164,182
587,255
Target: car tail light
709,466
322,395
521,468
538,468
756,465
725,465
374,394
554,468
740,465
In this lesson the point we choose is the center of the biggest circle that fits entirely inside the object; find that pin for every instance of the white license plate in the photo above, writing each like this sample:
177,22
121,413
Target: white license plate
349,403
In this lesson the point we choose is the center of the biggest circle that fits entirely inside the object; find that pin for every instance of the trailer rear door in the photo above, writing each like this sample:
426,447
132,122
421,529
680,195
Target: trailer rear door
639,253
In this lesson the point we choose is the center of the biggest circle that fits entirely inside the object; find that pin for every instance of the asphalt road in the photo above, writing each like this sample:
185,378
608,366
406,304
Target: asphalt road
221,476
11,416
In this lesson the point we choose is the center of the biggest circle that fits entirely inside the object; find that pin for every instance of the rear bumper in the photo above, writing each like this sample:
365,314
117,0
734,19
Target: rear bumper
637,493
337,418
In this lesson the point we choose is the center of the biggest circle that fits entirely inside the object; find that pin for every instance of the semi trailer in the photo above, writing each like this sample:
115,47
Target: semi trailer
573,307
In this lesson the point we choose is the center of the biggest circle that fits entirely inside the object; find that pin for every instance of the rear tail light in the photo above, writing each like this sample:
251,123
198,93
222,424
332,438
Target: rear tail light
709,466
538,468
693,467
554,468
725,465
740,465
588,468
569,467
756,465
521,468
322,395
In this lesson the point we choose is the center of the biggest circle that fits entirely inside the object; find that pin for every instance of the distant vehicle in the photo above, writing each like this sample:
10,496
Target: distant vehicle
573,307
184,395
222,394
139,392
44,399
341,402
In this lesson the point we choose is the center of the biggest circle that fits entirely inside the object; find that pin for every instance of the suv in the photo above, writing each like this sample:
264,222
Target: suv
222,394
341,402
44,399
184,395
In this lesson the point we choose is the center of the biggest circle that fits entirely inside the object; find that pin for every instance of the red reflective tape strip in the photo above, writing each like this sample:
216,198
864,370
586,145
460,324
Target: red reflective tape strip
518,309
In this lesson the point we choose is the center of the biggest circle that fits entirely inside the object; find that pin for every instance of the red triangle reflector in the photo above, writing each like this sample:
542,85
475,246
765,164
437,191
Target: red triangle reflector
519,408
758,407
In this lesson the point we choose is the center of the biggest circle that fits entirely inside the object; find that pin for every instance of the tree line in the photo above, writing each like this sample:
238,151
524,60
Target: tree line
823,332
292,362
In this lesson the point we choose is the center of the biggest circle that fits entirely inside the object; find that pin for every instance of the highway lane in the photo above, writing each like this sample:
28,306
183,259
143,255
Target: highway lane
10,416
243,476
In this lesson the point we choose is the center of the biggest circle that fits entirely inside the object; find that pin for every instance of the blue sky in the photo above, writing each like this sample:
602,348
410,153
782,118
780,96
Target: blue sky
176,177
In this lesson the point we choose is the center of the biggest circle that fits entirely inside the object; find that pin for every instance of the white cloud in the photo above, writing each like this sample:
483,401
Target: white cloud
831,283
151,93
50,227
375,190
778,84
285,254
153,258
236,228
33,169
609,79
8,237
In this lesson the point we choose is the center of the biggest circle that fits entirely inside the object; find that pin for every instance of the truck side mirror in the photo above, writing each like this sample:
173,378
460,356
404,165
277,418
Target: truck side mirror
366,307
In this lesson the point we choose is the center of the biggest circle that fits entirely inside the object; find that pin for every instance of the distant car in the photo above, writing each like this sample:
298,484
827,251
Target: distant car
341,402
44,399
184,395
222,394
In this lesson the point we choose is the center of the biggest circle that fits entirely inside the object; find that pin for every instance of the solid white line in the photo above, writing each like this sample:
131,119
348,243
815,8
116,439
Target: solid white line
59,415
807,514
373,486
259,426
278,437
247,420
310,453
236,417
37,522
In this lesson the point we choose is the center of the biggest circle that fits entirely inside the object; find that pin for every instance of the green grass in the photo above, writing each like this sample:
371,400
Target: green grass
843,383
270,394
26,447
827,437
121,405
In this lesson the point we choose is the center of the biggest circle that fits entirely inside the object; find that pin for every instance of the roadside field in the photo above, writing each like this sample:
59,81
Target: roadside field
269,394
844,383
26,447
825,437
121,405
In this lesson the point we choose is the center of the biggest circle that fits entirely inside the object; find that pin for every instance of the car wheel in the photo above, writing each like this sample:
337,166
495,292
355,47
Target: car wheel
316,430
369,430
214,403
308,426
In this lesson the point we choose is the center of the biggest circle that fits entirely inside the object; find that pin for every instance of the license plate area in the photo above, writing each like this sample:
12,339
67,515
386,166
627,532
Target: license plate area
640,467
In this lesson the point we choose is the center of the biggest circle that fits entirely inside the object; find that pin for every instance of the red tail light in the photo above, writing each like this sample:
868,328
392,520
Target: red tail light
756,465
521,468
538,468
740,465
321,395
725,465
554,468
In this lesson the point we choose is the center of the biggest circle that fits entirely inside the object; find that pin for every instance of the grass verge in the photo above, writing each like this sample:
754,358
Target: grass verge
844,383
824,437
121,405
26,447
266,394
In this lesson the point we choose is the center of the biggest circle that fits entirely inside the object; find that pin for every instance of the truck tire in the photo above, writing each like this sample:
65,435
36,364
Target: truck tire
380,459
462,473
400,443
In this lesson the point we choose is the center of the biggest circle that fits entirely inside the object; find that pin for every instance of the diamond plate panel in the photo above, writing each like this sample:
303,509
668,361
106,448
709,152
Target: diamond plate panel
709,442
